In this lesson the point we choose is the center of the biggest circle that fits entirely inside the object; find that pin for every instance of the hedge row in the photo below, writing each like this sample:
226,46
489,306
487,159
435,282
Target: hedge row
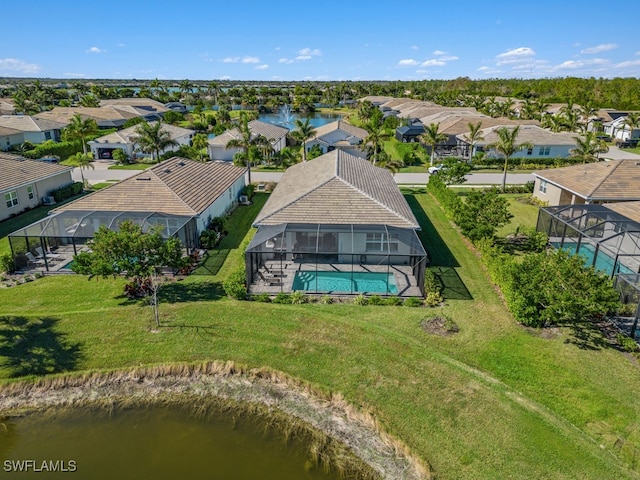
66,191
62,150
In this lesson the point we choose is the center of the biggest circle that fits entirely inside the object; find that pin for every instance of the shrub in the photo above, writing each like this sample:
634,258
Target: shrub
234,286
326,300
298,297
6,263
431,283
209,239
66,191
360,299
628,344
261,297
283,298
393,301
376,300
413,302
433,299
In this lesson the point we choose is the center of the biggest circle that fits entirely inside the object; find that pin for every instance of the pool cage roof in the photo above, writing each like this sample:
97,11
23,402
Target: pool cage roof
273,237
601,226
84,224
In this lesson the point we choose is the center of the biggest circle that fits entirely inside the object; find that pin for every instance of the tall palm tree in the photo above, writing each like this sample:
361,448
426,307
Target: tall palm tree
245,143
632,120
474,136
153,139
589,148
200,142
80,129
302,133
82,160
432,137
506,146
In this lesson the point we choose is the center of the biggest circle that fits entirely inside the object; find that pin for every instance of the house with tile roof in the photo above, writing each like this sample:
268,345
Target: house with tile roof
17,129
338,213
25,182
601,182
277,135
126,139
338,135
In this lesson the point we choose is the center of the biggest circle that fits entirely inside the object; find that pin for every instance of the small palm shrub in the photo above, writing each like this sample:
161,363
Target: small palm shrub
413,302
282,297
393,301
360,299
298,297
376,300
326,300
261,297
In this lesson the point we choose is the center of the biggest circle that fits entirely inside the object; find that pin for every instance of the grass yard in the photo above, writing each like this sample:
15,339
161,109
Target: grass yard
131,166
493,401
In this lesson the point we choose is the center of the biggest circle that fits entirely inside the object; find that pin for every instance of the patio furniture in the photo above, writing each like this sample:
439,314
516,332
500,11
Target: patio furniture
52,256
31,259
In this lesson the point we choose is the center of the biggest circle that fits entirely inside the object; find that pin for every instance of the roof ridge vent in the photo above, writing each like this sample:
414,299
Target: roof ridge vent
148,179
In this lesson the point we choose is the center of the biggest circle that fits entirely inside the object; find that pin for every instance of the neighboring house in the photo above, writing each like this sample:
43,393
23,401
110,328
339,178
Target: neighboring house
103,147
545,144
6,106
275,134
17,129
111,113
410,133
616,128
24,182
176,107
336,213
338,135
601,182
179,194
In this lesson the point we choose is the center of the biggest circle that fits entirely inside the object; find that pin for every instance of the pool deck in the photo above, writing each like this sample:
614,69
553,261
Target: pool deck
276,277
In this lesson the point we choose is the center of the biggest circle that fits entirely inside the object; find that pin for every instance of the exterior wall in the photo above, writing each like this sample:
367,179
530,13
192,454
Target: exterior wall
221,153
555,195
555,151
39,190
280,144
96,148
221,204
7,140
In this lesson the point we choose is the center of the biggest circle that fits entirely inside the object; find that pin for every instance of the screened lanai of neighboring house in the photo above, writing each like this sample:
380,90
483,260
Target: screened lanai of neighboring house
336,259
607,239
51,243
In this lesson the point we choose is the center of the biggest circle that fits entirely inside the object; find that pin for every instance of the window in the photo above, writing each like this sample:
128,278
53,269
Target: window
47,135
543,186
379,242
30,192
11,198
529,150
544,150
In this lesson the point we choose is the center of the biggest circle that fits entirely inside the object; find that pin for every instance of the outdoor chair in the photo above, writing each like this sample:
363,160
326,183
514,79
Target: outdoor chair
53,256
31,259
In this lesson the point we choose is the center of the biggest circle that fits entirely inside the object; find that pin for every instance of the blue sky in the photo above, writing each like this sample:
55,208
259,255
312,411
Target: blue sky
318,40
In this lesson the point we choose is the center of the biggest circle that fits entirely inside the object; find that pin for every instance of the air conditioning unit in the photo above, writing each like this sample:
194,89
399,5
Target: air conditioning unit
244,200
48,200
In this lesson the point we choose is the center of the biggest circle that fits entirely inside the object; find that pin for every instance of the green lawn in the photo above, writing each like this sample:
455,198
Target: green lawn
131,166
493,401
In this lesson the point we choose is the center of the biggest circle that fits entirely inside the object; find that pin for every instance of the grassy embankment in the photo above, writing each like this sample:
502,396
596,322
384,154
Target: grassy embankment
492,401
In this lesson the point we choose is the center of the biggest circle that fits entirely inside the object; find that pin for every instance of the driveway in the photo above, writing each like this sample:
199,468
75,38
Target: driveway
101,173
616,153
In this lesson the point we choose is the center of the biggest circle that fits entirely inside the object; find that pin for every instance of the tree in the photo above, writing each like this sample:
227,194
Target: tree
90,101
454,172
82,160
632,120
473,136
200,143
482,214
302,132
120,156
153,139
506,146
80,129
245,143
432,137
133,253
589,148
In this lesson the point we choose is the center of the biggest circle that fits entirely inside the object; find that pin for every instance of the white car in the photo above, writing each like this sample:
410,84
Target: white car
436,168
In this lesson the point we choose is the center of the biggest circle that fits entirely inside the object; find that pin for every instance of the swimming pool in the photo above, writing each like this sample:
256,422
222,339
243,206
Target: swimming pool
603,261
345,282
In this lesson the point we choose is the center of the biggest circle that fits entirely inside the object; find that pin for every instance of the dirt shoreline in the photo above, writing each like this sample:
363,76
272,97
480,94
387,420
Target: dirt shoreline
330,414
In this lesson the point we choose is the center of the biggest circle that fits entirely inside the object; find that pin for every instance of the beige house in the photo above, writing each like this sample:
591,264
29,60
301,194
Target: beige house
17,129
338,135
24,183
275,134
601,182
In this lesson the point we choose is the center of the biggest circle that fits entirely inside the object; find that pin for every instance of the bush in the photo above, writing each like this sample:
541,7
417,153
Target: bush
431,283
66,191
326,300
261,297
628,344
63,150
235,286
413,302
298,297
6,263
360,299
393,301
376,300
209,239
282,298
433,299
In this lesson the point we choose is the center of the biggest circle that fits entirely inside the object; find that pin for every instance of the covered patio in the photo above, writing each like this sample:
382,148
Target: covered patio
336,259
49,245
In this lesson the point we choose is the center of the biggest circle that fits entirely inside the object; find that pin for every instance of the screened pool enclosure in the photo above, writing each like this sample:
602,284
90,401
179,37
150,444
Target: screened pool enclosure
336,260
607,240
50,244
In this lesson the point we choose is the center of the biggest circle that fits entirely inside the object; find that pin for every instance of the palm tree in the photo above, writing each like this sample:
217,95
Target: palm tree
589,148
506,146
303,131
432,137
473,137
80,129
200,142
246,142
82,160
90,101
632,120
153,139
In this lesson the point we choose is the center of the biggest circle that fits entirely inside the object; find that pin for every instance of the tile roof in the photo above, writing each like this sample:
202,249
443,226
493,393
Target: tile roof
268,130
177,186
631,210
337,188
27,123
128,135
605,181
528,133
17,170
357,132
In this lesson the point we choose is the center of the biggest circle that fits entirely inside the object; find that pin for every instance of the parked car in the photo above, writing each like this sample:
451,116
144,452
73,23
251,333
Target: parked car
630,143
606,138
436,168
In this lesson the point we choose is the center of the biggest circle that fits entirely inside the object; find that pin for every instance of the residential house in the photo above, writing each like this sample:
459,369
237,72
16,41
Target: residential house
336,224
180,195
17,129
601,182
126,139
24,183
409,133
275,134
338,135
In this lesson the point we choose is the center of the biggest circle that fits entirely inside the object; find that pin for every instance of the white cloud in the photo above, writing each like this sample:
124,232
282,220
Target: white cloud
16,65
303,57
225,77
574,64
310,52
262,67
604,47
250,60
408,62
95,50
231,60
448,58
75,75
517,55
413,47
122,44
630,63
286,60
438,52
433,63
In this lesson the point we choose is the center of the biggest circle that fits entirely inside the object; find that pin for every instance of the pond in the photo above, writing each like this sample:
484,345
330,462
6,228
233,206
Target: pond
158,442
287,119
